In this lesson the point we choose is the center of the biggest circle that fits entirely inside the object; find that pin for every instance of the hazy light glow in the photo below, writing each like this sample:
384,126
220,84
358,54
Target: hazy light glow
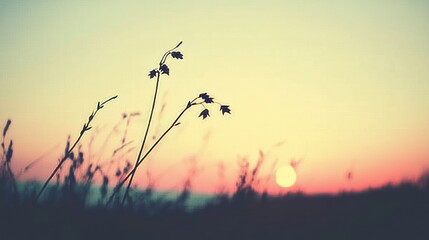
285,176
343,83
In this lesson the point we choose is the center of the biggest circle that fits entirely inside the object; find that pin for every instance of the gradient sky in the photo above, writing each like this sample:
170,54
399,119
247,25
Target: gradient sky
344,85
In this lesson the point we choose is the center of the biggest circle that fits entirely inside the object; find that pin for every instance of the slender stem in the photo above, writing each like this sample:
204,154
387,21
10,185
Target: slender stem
58,167
144,139
4,150
85,128
6,165
164,57
12,177
161,62
120,184
108,100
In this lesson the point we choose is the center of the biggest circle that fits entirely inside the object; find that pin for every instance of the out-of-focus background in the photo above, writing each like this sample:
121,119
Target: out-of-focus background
338,86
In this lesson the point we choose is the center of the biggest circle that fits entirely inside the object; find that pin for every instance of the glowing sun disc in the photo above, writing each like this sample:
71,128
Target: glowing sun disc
285,176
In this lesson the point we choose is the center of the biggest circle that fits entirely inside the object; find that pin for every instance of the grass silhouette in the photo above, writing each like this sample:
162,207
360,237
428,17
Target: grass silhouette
248,212
7,175
390,212
201,100
163,69
86,127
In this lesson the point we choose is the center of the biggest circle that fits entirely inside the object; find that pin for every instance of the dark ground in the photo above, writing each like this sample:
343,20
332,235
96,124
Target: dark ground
391,212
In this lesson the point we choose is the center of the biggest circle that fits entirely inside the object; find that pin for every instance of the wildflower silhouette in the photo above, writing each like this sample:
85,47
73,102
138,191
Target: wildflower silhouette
204,114
201,100
225,109
69,150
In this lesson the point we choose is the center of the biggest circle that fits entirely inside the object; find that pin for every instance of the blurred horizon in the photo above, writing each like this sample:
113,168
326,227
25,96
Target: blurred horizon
340,86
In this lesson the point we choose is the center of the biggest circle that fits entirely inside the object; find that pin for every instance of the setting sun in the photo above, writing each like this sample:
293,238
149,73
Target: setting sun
214,119
285,176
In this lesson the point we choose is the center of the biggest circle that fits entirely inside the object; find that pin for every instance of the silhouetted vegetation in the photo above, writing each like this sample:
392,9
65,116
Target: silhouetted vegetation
74,206
69,150
201,100
390,212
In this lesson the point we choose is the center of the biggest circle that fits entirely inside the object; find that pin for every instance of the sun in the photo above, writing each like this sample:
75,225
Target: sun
285,176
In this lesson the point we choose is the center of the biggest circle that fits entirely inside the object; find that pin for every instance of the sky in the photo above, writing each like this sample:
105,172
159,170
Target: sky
341,85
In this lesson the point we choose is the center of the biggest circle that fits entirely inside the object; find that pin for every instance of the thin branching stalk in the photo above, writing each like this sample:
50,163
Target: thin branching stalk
140,161
85,128
144,138
204,99
158,76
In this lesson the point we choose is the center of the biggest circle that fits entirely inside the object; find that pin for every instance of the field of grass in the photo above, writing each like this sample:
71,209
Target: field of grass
390,212
70,204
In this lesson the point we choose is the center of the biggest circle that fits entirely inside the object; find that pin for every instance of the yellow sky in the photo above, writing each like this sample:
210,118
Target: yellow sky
344,84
